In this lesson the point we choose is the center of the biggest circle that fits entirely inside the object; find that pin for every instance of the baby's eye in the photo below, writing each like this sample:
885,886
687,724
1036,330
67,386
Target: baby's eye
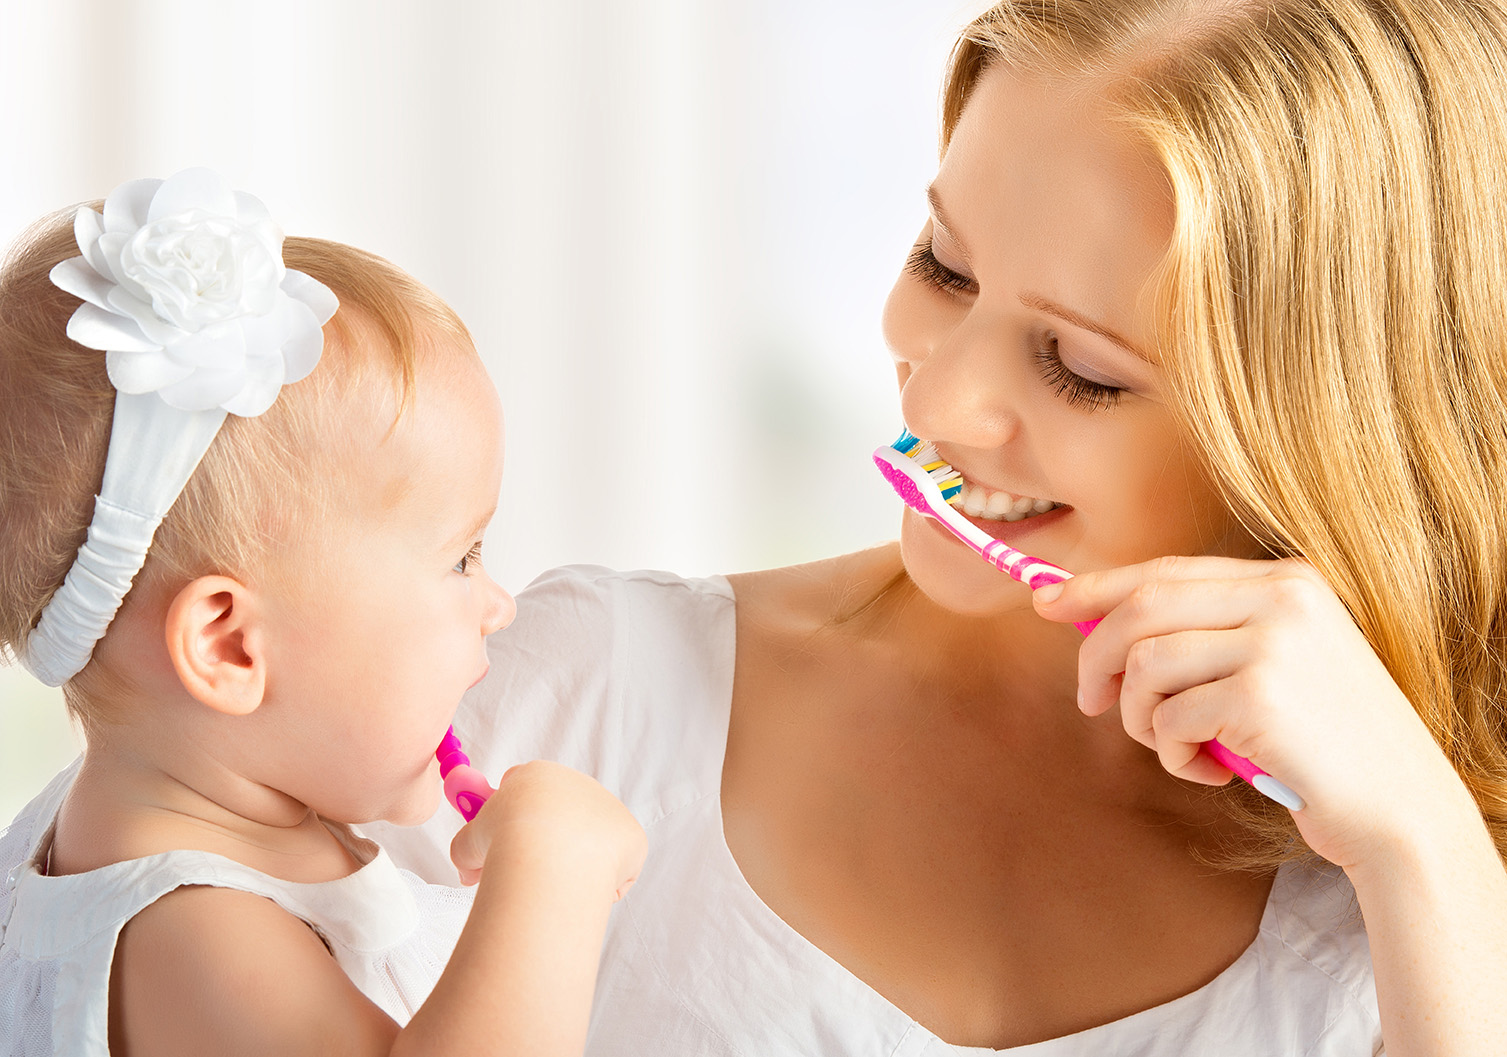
473,557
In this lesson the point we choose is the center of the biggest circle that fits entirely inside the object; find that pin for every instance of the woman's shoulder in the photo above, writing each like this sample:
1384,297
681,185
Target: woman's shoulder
1313,918
816,594
593,599
599,604
626,676
585,629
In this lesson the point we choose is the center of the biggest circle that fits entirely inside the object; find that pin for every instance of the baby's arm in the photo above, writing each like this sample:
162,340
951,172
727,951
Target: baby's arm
211,970
554,851
215,970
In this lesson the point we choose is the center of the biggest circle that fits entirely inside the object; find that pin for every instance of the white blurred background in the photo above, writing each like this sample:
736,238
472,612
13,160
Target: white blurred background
670,225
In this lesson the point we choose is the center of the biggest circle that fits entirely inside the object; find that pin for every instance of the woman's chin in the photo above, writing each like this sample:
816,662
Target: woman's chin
952,576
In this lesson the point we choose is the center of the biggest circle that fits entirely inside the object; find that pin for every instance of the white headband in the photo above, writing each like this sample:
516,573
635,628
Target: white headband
185,291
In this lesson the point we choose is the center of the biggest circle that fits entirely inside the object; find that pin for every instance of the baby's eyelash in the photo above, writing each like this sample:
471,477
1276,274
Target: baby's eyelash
923,264
473,556
1074,388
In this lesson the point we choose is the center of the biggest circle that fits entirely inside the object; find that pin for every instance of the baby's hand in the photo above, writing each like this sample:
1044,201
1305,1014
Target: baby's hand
547,811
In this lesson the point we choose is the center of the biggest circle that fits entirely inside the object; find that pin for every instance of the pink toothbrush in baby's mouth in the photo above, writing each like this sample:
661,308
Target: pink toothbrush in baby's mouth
465,787
926,482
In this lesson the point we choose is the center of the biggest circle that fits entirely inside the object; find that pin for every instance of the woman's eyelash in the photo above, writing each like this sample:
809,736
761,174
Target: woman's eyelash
1074,388
923,264
472,557
1077,390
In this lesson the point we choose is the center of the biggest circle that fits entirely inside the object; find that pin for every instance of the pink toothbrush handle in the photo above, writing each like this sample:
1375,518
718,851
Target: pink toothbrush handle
1263,782
1033,572
920,491
465,787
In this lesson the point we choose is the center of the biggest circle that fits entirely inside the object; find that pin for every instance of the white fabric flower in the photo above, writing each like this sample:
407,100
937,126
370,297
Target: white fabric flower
185,291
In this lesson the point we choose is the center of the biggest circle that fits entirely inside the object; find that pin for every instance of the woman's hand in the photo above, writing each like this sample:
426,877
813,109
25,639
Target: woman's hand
545,810
1263,657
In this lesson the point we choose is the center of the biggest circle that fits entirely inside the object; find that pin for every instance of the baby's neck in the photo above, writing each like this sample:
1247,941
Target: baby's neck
127,803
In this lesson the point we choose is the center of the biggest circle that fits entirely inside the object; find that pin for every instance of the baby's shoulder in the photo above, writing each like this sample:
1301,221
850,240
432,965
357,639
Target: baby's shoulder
208,969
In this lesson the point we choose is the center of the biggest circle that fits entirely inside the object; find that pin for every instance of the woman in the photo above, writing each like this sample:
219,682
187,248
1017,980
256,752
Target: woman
1214,280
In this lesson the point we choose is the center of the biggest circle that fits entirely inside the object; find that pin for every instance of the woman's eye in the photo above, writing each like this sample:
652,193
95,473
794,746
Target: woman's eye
473,557
923,264
1074,388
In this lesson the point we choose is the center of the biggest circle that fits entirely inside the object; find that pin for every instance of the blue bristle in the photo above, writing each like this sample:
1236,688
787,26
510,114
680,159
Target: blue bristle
907,445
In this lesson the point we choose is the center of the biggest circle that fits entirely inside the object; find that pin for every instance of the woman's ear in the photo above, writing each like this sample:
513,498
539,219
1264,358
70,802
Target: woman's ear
214,638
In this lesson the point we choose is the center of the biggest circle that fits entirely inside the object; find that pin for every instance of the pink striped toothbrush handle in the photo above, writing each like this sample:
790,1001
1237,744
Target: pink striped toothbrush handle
1036,573
465,787
1033,572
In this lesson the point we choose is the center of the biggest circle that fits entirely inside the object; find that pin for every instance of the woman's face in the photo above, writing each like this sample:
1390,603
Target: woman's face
1022,333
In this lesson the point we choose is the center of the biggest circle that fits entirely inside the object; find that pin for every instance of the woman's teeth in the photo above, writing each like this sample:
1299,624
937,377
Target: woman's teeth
978,501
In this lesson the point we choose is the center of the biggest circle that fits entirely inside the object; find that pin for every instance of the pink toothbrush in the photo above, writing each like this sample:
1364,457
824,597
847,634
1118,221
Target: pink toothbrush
465,787
923,479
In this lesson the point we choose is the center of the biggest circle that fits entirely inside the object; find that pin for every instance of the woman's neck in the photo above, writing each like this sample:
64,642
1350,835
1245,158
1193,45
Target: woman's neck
1013,653
929,674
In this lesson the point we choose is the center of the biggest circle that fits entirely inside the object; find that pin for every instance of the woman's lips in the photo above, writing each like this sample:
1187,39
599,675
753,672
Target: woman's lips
1007,531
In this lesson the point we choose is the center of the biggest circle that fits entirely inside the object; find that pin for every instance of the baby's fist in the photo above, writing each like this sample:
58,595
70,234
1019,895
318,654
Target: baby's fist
546,812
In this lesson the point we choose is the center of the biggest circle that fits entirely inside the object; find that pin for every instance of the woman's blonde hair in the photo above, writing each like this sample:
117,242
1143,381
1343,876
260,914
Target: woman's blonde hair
1333,306
263,481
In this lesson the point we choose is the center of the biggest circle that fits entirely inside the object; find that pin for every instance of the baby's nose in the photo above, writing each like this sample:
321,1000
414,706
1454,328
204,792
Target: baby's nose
500,608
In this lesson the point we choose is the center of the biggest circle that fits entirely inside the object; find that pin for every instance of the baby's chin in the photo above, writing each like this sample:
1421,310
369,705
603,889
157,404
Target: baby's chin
418,804
415,814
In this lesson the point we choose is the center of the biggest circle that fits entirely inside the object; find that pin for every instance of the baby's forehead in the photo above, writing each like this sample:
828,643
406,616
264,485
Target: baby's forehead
408,450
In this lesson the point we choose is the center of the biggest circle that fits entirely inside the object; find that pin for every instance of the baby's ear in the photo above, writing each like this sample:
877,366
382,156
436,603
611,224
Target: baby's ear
214,638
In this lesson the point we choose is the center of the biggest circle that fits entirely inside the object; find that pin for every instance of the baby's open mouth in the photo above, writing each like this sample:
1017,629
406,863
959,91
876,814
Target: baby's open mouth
977,501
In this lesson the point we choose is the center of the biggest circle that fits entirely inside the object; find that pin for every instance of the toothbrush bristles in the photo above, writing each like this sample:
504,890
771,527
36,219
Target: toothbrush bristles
925,453
906,443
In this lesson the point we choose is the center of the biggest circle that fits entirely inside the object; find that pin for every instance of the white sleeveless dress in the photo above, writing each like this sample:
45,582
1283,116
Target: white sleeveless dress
628,677
390,931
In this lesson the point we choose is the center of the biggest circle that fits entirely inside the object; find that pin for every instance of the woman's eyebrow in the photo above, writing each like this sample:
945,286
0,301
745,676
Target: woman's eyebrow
939,215
1077,319
1036,301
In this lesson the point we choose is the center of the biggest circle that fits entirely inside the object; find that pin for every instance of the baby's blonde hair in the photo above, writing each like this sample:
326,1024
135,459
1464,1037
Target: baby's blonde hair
263,479
1333,307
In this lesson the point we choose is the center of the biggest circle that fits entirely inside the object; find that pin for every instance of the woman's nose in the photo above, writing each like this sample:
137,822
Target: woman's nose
960,384
499,608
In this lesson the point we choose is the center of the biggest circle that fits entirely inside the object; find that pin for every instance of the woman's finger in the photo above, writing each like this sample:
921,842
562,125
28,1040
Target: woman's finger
1158,609
1181,724
1167,665
1091,595
1222,710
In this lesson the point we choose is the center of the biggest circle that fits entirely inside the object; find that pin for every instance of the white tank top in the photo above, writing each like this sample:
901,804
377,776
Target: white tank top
391,932
628,677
